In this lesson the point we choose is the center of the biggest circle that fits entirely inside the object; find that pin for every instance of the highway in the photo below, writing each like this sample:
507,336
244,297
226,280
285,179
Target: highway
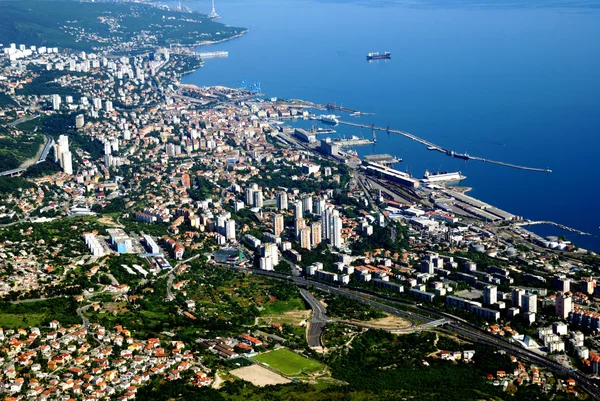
318,321
454,324
484,338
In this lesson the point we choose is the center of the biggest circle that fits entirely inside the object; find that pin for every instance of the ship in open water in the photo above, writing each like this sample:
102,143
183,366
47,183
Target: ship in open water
377,56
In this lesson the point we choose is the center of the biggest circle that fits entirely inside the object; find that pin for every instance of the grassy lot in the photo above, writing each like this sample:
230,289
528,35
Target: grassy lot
280,307
11,321
289,363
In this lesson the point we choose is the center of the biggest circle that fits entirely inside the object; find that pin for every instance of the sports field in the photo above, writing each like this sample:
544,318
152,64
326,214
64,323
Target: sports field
289,363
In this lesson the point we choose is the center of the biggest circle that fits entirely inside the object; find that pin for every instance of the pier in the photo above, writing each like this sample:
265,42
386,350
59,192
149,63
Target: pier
449,152
205,55
551,223
384,159
333,107
353,142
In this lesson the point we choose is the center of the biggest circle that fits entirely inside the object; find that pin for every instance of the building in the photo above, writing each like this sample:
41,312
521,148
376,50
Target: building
316,234
473,307
336,230
67,162
305,238
120,240
529,303
319,205
93,244
278,224
79,121
257,199
298,209
564,305
307,204
151,245
490,295
56,102
517,293
299,224
282,200
563,284
230,230
249,196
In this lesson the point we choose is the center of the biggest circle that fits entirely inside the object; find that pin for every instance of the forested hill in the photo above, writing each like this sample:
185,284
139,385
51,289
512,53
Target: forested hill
87,26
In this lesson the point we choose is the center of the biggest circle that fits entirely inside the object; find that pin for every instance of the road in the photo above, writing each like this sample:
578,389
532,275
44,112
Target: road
454,324
22,120
319,319
86,321
582,380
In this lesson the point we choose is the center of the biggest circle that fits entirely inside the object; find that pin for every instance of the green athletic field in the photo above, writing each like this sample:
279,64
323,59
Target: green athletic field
289,363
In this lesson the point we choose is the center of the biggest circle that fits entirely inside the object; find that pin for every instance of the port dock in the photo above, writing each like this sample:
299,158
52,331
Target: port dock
551,223
432,146
333,107
347,142
384,159
205,55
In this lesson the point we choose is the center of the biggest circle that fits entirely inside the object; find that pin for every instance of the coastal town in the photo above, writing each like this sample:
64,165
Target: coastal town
167,233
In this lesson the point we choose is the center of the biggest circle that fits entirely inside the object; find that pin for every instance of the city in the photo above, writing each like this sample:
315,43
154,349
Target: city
166,238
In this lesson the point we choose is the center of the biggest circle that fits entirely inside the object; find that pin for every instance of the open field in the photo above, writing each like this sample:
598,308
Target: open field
280,307
388,322
259,376
14,321
289,363
294,318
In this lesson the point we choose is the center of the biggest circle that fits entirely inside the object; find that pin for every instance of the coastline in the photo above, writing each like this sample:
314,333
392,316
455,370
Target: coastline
214,42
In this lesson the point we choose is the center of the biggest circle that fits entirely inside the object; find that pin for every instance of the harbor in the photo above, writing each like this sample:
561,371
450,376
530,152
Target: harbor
432,146
353,141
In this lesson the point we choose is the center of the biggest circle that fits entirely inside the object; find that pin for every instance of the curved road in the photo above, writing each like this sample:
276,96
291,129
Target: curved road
319,320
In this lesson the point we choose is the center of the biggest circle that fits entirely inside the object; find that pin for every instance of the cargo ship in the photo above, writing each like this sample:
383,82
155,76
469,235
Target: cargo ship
442,177
377,56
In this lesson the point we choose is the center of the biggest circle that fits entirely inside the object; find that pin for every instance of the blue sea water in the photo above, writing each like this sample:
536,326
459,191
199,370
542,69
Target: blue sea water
516,81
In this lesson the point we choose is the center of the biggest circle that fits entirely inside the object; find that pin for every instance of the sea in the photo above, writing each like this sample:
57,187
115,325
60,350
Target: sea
510,80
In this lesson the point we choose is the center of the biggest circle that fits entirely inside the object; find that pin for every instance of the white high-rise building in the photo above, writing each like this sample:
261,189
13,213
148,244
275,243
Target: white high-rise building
230,230
529,303
56,102
325,217
107,148
517,293
61,147
79,121
319,206
336,230
249,194
490,295
97,103
282,200
67,162
257,199
108,106
298,210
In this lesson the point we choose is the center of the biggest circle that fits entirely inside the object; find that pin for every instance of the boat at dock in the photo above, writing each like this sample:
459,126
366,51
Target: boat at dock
377,56
329,119
445,176
325,131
